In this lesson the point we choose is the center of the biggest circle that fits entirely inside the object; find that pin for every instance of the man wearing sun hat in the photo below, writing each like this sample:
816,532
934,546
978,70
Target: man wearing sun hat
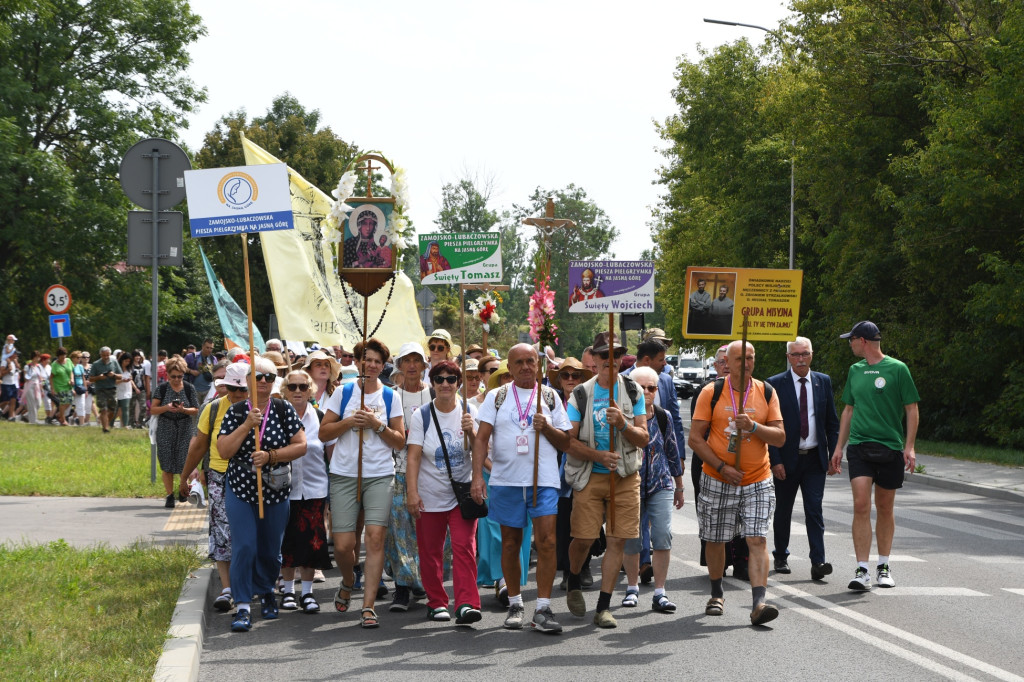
879,393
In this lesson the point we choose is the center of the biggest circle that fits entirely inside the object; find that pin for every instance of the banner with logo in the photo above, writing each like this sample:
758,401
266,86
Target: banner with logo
719,298
224,201
308,298
460,257
611,286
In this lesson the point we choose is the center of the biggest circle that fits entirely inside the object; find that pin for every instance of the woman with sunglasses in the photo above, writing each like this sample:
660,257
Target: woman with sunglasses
305,538
440,348
174,405
373,412
261,432
432,501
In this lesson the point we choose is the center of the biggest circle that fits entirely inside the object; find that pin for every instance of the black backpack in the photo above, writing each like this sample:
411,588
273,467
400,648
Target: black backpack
719,385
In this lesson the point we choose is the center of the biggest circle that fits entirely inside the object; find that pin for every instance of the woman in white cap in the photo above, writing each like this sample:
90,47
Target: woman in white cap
400,550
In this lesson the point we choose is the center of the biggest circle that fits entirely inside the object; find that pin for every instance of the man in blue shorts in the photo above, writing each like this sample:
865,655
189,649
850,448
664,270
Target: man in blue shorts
509,415
879,393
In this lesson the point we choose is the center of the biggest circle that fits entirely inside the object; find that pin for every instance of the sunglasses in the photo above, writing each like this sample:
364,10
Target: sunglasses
447,378
237,388
488,371
618,354
570,375
438,347
269,378
298,387
347,356
175,376
650,389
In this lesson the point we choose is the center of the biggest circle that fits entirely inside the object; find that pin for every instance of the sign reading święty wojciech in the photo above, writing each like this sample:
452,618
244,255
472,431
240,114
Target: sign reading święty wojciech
611,286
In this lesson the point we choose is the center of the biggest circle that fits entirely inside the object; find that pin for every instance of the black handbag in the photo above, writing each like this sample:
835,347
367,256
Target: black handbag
468,507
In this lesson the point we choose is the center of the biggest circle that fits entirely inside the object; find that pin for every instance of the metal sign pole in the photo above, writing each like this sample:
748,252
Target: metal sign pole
155,217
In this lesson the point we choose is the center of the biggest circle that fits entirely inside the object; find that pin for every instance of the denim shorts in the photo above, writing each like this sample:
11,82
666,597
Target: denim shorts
659,513
510,504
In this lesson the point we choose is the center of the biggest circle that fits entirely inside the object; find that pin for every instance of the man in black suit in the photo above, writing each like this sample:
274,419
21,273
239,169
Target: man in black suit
812,429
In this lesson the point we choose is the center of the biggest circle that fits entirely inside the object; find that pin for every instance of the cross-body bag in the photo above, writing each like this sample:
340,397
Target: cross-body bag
468,507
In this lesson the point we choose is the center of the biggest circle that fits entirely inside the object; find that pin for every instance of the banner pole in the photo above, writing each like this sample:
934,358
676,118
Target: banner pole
614,378
362,401
252,369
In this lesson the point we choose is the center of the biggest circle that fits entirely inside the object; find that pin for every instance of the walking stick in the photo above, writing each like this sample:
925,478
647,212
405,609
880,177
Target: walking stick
536,443
362,403
743,385
252,372
465,391
614,378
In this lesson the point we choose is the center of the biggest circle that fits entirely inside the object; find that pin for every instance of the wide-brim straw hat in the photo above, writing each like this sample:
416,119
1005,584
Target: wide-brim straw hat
493,381
443,334
277,359
321,355
568,363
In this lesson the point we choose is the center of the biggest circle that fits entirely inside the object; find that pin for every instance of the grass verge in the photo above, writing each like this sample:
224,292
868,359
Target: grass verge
974,453
75,462
87,614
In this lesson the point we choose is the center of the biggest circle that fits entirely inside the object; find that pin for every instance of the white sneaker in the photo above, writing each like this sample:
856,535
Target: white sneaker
861,580
884,576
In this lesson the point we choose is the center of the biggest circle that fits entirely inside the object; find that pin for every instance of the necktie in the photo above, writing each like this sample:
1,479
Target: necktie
804,428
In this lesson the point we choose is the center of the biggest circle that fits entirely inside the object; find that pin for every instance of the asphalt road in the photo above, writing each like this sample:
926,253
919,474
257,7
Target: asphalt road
955,613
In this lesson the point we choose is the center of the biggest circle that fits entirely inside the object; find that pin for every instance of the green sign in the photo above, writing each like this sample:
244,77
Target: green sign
460,257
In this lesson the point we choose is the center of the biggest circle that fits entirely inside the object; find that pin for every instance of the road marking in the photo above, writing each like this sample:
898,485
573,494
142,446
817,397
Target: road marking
187,519
872,624
900,559
1014,590
998,559
932,592
984,514
930,519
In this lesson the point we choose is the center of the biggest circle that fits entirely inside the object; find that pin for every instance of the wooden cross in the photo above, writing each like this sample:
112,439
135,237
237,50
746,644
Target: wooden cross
369,168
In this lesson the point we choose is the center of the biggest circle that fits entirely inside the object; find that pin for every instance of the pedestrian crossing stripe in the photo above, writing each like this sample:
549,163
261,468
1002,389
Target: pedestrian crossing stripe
899,559
1014,590
930,592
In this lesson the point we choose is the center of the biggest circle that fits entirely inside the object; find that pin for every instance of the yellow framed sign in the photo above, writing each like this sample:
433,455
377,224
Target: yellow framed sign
719,298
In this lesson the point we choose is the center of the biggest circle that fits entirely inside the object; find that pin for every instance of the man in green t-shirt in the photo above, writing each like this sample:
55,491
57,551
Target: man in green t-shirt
879,393
60,382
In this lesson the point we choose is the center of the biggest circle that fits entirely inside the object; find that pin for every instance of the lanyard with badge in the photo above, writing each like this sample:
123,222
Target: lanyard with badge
522,440
734,437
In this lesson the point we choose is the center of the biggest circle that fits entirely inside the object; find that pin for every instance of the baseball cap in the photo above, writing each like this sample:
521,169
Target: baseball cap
864,330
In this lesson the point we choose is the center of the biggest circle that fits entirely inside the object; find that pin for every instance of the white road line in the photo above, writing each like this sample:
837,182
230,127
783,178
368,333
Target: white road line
930,592
1014,590
954,525
998,559
984,514
898,559
875,625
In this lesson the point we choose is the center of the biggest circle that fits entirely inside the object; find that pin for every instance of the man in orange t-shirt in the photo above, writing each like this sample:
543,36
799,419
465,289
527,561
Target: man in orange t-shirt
737,498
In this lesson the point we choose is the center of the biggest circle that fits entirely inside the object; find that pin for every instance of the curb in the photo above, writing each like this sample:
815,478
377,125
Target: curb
180,658
964,487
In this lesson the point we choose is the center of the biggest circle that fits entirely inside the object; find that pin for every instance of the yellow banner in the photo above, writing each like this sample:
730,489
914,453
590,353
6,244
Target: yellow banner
718,299
308,297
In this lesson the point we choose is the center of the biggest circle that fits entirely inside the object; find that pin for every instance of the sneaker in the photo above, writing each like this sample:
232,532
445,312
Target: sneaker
514,619
604,619
862,580
544,621
269,609
288,602
401,600
466,614
418,593
318,576
169,502
223,602
242,622
884,576
440,613
576,602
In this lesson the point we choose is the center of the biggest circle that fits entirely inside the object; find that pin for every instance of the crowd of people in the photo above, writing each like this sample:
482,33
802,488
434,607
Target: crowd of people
432,462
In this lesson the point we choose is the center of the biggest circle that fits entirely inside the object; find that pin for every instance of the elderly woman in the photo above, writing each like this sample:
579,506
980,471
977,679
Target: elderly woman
432,501
564,378
370,412
661,487
323,369
400,546
265,433
174,405
471,384
305,538
83,398
35,379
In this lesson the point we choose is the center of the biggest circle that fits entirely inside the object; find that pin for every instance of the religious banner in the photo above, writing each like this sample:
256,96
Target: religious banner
366,242
611,286
223,201
308,297
719,298
460,257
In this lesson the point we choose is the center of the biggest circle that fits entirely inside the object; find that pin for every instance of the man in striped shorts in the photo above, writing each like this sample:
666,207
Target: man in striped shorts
737,496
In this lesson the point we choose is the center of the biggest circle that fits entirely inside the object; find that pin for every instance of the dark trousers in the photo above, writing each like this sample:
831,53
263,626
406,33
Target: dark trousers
809,479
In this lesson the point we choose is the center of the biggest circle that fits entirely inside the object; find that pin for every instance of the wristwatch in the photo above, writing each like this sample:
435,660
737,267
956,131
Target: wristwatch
721,465
380,429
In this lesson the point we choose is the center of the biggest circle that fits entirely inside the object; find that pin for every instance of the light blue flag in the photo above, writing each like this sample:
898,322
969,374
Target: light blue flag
233,320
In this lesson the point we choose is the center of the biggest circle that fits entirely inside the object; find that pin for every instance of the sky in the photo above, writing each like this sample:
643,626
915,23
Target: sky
523,93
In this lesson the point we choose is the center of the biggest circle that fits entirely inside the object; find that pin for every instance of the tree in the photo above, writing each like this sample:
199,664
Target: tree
80,83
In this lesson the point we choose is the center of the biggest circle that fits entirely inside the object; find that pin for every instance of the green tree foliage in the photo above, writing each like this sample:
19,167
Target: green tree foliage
903,118
80,83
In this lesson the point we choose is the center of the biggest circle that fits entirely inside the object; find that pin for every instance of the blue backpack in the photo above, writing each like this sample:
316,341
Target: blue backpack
346,394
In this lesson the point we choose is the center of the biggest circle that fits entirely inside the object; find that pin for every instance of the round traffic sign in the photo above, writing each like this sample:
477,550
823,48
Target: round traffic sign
137,173
57,299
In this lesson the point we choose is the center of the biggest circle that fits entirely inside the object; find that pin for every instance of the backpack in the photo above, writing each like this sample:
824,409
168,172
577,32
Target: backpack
546,391
719,385
346,394
580,393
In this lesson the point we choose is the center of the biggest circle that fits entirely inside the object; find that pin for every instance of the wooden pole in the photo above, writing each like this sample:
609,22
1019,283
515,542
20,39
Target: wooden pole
465,397
362,401
252,370
541,364
743,385
613,373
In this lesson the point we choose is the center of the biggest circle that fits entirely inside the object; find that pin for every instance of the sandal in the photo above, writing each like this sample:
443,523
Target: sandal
368,618
288,602
715,607
663,604
341,603
631,599
310,604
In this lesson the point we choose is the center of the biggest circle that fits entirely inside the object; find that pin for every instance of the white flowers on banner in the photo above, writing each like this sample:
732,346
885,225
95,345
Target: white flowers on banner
339,209
397,232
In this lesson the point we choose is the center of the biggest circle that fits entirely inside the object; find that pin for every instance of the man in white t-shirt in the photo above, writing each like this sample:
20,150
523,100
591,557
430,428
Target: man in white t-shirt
517,465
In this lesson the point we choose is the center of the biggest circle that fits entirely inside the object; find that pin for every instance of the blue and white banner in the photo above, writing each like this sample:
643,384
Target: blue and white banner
242,199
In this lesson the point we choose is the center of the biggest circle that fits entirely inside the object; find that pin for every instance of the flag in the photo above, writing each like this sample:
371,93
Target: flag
234,323
308,297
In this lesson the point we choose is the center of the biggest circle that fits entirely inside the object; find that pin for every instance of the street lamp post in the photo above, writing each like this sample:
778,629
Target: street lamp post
792,158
